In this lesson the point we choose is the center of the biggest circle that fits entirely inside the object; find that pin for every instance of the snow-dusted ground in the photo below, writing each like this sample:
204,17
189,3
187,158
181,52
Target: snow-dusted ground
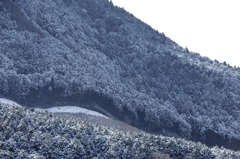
71,109
9,102
62,109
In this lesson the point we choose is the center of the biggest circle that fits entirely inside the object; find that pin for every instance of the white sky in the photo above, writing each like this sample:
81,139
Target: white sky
208,27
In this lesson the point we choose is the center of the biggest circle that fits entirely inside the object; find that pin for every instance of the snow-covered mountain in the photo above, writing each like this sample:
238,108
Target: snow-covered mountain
91,54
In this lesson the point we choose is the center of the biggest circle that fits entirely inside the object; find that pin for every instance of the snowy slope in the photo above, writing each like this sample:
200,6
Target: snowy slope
9,102
71,109
63,109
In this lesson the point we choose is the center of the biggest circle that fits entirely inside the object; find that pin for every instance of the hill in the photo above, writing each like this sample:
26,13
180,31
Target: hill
29,134
92,54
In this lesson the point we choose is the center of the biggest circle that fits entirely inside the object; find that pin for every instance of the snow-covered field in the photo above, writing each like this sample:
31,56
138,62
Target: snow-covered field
62,109
71,109
9,102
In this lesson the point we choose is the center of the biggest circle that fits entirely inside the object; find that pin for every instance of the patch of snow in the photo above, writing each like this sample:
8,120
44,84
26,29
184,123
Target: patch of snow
71,109
63,109
9,102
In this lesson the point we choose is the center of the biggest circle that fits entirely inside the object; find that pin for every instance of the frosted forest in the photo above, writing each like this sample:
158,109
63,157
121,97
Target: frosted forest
92,54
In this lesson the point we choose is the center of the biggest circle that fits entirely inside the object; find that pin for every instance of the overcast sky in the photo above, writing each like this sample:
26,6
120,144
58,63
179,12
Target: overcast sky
208,27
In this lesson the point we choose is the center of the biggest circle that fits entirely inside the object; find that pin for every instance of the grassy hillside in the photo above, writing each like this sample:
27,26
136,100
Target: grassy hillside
95,55
28,134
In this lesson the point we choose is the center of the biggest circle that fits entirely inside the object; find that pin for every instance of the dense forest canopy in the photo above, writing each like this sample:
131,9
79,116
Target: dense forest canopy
92,53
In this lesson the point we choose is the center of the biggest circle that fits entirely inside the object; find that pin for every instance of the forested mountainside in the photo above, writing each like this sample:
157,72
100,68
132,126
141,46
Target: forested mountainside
25,134
95,55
